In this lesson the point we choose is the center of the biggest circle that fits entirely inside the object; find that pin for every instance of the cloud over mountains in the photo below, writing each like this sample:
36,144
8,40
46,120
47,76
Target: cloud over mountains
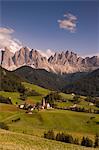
6,40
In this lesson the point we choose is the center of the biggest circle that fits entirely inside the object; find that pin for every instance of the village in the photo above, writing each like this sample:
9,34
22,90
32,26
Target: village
39,106
44,105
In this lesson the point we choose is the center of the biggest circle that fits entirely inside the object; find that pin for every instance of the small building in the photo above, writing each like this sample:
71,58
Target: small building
91,104
74,106
21,106
73,94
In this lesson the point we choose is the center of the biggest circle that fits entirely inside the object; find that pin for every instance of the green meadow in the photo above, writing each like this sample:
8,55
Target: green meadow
29,130
37,88
76,123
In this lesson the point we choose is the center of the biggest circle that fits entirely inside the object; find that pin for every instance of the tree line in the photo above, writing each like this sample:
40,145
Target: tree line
67,138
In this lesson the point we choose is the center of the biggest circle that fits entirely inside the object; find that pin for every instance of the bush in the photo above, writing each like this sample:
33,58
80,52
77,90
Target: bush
76,99
86,142
97,103
21,88
61,137
52,97
31,93
3,126
23,96
96,144
58,137
69,139
16,120
49,135
76,141
5,100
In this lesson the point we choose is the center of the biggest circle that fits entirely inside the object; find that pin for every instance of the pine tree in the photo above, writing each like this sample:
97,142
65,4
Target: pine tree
86,142
96,144
76,141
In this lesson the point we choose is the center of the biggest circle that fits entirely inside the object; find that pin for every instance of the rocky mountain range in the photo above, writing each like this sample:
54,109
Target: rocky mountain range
60,62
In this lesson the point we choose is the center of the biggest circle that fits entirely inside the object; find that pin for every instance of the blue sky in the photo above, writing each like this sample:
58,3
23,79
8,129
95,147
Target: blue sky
42,24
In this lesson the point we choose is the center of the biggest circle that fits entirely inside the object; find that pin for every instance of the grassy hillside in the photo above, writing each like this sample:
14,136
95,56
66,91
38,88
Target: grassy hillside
11,141
33,126
9,81
78,124
15,97
37,88
41,77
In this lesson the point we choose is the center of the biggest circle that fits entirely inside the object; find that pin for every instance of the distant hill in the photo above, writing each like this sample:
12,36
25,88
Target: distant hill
79,83
41,77
9,81
87,85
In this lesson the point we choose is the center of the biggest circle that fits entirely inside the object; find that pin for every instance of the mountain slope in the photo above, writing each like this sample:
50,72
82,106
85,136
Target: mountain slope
41,77
79,83
87,85
9,81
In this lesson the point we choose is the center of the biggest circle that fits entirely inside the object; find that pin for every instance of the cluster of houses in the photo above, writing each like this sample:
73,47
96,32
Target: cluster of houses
39,106
44,105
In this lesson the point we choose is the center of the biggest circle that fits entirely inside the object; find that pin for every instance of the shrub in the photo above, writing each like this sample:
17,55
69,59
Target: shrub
60,137
29,92
23,96
76,141
49,135
86,142
96,144
68,138
5,100
76,99
64,138
15,120
3,126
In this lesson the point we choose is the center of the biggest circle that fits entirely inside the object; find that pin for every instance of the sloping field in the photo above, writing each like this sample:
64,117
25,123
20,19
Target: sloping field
16,141
37,88
77,124
15,96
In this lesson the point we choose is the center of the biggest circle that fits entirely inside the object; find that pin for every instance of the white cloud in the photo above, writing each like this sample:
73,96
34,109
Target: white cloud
6,40
47,53
68,23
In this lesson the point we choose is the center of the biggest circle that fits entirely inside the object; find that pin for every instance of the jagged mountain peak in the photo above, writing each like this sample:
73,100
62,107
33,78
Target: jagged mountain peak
60,62
24,49
7,51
